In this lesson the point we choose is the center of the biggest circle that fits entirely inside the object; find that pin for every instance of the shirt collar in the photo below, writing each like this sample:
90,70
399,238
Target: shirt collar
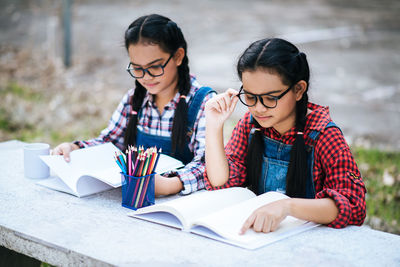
318,118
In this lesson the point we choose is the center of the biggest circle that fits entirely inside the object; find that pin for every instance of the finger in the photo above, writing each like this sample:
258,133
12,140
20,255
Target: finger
231,92
222,103
228,102
65,152
247,224
258,224
214,105
277,222
66,156
220,106
275,225
267,225
234,103
56,151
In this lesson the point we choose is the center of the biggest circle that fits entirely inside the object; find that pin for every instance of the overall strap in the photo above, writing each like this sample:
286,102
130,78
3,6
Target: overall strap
195,104
314,134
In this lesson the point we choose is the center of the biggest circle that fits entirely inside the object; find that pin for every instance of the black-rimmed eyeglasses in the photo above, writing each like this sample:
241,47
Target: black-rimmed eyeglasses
268,100
154,70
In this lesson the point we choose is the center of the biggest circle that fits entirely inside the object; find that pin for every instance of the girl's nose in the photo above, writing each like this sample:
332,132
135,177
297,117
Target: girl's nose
147,76
259,107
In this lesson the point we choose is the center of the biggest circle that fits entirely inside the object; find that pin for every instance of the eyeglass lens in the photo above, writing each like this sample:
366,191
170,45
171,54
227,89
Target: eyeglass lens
154,71
251,100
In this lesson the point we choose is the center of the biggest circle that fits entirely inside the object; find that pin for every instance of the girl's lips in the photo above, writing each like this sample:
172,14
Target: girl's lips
150,84
263,117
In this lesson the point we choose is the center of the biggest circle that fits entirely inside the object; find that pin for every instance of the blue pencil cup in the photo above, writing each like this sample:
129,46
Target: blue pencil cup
137,192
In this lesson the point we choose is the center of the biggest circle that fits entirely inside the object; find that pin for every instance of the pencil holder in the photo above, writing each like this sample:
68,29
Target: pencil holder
137,192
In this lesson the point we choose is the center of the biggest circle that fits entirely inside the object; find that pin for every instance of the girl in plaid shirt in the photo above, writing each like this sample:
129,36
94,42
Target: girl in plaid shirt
166,107
283,143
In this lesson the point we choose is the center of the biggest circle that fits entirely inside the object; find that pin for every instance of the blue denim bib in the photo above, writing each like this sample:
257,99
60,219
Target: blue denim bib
276,159
147,140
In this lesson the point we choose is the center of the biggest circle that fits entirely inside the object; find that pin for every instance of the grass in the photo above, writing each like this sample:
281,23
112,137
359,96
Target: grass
10,94
20,102
21,92
381,174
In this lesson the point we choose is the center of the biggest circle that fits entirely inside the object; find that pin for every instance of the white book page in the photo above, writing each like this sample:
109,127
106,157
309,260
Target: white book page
167,163
228,222
62,169
190,208
259,242
97,161
57,184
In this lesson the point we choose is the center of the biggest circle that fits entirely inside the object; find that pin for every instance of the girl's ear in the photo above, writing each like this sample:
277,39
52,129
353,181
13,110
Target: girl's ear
179,55
299,89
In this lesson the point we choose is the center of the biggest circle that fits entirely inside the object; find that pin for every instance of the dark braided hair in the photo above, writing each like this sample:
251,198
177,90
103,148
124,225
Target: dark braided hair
160,30
283,58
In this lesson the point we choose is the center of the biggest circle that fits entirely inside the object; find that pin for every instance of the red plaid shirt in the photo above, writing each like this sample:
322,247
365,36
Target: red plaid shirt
335,172
154,123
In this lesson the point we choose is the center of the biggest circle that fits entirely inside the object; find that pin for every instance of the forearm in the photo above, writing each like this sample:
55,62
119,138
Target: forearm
216,163
167,185
322,210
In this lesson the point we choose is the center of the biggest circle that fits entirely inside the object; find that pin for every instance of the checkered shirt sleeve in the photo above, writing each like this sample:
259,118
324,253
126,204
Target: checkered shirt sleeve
338,178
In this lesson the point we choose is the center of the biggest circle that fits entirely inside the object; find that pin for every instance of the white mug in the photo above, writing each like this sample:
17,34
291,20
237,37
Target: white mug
34,167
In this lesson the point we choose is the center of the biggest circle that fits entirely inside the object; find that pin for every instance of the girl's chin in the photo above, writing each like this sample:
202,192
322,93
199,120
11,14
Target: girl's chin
265,122
152,89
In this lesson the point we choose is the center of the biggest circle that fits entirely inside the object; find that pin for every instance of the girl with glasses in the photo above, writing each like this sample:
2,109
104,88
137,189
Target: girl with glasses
165,108
283,143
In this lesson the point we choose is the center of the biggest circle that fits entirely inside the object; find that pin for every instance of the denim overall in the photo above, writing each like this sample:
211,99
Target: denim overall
276,161
165,143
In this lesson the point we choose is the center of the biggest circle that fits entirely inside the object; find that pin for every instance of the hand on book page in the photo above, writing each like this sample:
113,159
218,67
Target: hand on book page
227,223
93,169
188,209
220,215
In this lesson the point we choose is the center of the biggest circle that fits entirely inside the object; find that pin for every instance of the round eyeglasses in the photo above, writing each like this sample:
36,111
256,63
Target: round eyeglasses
153,71
267,100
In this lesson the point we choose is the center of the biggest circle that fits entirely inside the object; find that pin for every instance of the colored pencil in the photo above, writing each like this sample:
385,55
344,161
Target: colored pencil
137,164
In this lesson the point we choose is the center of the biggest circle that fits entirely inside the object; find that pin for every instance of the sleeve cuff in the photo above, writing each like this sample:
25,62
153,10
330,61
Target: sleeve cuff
79,143
343,205
190,182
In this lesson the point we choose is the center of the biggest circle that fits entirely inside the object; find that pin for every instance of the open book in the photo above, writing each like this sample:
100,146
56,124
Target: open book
92,170
220,215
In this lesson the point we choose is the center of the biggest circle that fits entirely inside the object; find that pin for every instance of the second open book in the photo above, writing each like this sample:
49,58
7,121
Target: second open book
92,170
220,215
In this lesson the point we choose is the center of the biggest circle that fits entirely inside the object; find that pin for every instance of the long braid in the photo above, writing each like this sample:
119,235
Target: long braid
296,179
298,167
136,102
254,158
179,134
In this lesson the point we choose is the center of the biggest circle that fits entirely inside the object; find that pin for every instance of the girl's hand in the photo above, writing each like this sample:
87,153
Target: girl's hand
167,185
268,217
220,107
64,149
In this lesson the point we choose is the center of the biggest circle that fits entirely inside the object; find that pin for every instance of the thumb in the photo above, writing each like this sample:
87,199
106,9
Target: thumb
231,92
66,156
235,100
